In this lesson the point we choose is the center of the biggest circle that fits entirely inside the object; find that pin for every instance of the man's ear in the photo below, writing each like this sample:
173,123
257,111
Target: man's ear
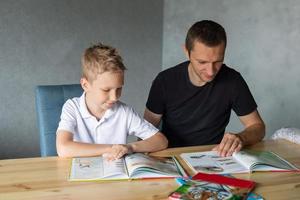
186,52
84,84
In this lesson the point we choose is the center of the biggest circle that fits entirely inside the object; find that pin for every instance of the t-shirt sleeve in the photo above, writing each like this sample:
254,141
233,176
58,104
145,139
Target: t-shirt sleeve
138,126
68,118
243,101
155,102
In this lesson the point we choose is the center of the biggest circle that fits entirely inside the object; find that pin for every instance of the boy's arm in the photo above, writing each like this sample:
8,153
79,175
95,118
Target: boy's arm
156,142
152,117
66,147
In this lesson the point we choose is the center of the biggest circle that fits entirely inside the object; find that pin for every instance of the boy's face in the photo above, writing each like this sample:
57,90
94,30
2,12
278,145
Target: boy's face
103,92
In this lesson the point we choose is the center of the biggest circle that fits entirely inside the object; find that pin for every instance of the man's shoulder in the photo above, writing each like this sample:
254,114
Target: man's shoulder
229,69
228,72
173,73
175,69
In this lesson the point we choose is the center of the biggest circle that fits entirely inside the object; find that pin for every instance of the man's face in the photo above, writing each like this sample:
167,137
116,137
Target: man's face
205,62
103,92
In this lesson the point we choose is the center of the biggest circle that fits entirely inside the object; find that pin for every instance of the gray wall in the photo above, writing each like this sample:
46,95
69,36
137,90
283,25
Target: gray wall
41,42
263,44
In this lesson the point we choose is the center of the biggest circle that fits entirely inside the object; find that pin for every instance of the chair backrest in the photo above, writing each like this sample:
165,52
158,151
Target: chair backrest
49,102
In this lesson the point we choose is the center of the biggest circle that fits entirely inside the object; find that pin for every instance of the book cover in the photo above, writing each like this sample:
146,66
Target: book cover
132,166
240,162
212,186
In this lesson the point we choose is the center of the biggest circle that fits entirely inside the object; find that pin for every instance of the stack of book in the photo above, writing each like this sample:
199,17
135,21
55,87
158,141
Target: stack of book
213,187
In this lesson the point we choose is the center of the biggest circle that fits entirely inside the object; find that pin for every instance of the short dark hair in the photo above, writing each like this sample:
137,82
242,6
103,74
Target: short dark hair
207,32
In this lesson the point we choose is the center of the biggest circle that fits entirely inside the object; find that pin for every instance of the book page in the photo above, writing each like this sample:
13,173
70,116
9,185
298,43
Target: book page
93,168
114,169
142,166
211,162
246,159
86,168
263,161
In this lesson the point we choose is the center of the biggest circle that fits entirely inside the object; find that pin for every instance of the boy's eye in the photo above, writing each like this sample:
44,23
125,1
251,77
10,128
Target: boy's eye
105,90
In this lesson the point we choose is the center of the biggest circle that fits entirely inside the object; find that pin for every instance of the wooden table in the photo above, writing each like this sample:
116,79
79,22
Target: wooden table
46,178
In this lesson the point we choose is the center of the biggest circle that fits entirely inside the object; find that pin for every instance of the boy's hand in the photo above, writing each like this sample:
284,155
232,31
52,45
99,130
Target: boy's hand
230,143
117,151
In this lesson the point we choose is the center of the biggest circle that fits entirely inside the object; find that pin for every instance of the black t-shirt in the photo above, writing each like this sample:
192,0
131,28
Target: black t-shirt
195,115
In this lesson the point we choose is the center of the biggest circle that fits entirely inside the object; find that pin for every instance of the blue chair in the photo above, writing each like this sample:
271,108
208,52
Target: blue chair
49,102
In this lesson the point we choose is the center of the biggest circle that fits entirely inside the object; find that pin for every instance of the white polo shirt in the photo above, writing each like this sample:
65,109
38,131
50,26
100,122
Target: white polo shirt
113,128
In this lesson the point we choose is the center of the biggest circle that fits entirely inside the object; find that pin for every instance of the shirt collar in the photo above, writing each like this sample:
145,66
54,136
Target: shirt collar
86,114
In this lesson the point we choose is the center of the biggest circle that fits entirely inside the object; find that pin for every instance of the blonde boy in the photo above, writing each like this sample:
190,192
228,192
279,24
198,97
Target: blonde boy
97,123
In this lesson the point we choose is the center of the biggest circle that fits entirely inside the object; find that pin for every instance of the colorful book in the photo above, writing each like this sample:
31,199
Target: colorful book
239,162
132,166
213,186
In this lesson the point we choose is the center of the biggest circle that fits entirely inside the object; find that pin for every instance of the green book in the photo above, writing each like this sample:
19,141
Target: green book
132,166
239,162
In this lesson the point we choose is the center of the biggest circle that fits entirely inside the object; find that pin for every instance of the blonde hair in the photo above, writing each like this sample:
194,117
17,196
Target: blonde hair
100,58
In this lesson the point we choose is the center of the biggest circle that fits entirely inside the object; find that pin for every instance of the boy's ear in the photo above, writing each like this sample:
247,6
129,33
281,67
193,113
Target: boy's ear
84,83
186,52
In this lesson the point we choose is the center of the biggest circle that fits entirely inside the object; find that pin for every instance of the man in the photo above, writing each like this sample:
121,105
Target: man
194,99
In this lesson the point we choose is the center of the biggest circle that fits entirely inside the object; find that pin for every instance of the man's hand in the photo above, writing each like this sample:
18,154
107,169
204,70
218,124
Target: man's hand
117,151
230,143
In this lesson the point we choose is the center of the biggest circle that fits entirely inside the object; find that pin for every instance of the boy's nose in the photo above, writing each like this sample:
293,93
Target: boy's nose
113,96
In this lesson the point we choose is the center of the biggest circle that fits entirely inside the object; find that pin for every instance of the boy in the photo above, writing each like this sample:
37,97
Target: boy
97,123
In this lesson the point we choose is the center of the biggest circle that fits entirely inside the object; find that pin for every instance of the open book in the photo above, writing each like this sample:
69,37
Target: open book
213,186
240,162
133,166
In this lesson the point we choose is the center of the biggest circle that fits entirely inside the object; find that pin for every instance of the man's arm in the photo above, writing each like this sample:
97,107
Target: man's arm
152,117
254,132
254,128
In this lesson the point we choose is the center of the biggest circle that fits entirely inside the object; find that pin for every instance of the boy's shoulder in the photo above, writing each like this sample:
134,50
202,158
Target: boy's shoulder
73,105
125,110
75,101
123,106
